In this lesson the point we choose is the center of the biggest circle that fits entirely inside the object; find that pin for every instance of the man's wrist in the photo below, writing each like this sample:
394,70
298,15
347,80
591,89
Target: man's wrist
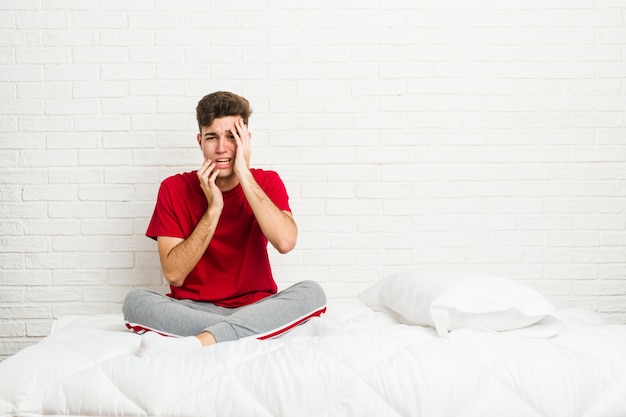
245,176
214,212
211,216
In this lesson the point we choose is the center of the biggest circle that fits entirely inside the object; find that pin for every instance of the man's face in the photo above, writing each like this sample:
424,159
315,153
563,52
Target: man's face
218,144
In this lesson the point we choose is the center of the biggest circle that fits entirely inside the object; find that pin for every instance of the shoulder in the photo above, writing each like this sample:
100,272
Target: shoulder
180,186
271,183
180,180
265,176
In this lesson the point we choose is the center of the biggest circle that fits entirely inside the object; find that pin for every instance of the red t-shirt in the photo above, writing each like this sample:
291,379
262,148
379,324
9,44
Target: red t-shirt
235,268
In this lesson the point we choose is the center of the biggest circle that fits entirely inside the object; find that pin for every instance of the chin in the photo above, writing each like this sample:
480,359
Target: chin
226,173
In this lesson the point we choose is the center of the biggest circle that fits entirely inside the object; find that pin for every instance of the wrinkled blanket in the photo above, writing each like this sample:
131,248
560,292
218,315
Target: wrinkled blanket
350,362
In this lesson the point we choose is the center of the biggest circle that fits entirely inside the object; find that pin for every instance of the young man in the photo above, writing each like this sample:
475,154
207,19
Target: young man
212,227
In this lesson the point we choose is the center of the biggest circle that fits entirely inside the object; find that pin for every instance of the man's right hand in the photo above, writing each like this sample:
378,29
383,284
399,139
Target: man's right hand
207,175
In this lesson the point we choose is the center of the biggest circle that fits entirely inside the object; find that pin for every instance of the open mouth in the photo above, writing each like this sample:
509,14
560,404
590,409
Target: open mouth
222,162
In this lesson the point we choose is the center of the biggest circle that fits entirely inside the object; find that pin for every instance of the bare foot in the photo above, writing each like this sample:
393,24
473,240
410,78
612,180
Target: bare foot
206,339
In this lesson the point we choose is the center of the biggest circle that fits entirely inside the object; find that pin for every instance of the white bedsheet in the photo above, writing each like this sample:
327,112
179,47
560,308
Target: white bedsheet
350,362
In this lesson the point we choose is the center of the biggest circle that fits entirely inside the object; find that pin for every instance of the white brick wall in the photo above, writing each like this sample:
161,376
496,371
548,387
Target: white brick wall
489,134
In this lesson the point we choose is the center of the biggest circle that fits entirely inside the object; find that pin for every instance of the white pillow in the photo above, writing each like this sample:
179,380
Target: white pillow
451,300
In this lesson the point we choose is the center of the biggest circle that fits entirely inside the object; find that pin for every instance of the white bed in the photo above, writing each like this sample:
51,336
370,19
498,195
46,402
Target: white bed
352,361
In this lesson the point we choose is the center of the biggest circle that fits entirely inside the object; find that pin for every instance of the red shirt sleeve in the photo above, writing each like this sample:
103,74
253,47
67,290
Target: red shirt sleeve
164,221
275,189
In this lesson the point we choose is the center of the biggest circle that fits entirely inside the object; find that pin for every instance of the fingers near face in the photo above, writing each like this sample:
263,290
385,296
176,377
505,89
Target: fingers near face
207,170
241,129
214,175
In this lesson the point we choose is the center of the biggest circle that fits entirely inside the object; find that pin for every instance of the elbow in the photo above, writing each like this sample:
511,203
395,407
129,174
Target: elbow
285,247
173,279
285,240
286,244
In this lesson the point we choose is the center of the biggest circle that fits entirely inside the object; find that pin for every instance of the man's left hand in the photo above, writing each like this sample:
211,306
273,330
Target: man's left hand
242,138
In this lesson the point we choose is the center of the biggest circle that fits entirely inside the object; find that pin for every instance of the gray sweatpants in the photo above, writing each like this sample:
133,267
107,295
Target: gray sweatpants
148,310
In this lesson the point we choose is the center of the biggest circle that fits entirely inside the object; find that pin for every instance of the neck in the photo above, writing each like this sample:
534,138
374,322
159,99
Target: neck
226,184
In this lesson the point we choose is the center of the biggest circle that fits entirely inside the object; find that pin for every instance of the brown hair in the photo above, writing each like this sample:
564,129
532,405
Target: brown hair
221,104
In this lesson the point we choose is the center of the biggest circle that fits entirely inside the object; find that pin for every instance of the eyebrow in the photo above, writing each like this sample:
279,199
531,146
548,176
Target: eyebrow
215,134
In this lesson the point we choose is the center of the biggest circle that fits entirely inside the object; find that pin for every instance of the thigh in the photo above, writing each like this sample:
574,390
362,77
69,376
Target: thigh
274,315
146,309
292,304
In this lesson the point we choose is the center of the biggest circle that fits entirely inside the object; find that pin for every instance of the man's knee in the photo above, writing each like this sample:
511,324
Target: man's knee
132,302
314,292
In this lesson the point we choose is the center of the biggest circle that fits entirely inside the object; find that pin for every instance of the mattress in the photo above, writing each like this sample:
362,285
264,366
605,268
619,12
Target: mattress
352,361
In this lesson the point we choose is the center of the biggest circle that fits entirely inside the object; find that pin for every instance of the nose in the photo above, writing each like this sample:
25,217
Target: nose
221,142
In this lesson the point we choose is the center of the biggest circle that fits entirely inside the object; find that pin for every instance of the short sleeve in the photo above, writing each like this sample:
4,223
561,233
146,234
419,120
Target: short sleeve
164,221
274,187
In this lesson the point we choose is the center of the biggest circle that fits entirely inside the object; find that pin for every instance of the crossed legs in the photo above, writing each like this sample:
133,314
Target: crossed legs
199,324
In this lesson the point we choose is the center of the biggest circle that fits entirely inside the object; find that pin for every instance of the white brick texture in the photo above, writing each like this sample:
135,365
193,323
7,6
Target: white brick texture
485,134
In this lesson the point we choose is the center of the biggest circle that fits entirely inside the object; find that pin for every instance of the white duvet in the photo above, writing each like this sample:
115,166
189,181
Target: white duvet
350,362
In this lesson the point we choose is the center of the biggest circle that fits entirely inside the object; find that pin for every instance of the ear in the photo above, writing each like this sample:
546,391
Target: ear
199,139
